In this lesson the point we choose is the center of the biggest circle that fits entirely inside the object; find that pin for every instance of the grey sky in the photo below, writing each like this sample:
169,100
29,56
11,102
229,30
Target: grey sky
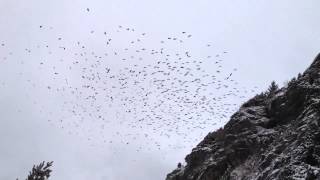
265,40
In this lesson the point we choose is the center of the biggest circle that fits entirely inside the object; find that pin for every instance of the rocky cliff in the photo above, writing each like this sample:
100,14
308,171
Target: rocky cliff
273,136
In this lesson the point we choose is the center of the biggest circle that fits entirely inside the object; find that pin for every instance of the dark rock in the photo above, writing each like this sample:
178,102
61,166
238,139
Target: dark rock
273,136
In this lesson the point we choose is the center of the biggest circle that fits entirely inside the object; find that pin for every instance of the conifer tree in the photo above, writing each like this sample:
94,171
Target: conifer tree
40,172
273,88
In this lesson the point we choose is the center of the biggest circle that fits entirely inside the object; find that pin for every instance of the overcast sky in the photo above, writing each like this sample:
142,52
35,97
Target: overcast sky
265,40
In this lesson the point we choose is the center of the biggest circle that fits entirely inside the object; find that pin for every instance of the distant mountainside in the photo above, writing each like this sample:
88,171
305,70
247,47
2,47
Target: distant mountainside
273,136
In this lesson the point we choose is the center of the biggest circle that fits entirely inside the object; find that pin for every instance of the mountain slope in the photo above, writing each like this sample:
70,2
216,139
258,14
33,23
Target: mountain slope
275,135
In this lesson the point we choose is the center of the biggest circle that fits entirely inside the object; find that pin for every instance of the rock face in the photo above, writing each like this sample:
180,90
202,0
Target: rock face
273,136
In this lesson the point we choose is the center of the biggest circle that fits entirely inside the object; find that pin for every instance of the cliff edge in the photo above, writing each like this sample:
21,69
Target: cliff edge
273,136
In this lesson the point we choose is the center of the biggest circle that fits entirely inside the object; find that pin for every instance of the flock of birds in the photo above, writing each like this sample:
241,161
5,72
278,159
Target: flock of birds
130,90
